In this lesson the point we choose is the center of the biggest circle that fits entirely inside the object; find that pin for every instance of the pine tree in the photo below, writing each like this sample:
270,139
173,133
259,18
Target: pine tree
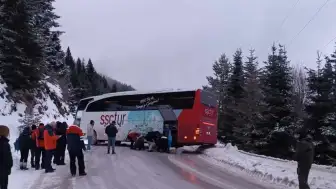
321,110
219,85
114,88
250,105
233,113
276,129
20,54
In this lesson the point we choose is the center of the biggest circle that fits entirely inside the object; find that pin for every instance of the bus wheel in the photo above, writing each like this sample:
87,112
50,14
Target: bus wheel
94,138
117,143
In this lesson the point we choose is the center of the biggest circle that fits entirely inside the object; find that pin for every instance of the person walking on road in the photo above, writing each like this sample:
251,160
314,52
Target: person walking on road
89,134
50,140
111,132
38,136
6,159
304,156
75,149
24,145
33,146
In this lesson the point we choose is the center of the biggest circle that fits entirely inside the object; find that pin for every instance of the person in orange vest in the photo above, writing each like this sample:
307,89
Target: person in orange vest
75,148
50,141
38,136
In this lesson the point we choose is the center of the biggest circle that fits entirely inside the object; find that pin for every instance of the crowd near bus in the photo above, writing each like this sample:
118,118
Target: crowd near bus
46,144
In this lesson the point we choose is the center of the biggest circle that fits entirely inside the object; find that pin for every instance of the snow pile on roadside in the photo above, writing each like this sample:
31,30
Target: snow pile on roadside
11,113
268,168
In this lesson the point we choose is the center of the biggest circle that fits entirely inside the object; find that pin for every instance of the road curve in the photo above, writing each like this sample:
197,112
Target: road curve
130,169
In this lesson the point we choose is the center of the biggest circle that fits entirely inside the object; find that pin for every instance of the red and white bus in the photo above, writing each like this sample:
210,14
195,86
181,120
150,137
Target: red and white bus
195,112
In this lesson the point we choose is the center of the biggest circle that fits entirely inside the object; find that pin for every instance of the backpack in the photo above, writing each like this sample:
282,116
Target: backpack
41,134
17,144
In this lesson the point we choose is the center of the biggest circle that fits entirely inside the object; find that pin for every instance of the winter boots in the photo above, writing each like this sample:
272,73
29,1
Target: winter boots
23,166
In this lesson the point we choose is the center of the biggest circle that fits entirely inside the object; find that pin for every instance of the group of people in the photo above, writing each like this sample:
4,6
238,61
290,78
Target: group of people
156,140
46,144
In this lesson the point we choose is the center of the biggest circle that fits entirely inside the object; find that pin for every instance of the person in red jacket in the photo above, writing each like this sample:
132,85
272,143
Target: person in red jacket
38,136
50,140
75,148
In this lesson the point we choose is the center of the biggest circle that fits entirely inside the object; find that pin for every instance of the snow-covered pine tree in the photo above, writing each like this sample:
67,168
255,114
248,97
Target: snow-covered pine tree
93,79
233,114
250,105
321,111
20,53
275,128
219,85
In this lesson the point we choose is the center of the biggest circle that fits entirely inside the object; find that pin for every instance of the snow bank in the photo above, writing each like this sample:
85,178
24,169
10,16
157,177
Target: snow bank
11,113
271,169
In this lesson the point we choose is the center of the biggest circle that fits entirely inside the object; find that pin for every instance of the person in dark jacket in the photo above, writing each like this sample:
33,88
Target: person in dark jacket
139,143
304,156
33,147
75,149
6,160
111,132
152,138
38,136
25,145
61,143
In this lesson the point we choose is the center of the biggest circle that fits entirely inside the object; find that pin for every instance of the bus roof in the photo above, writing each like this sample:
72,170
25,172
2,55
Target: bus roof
107,95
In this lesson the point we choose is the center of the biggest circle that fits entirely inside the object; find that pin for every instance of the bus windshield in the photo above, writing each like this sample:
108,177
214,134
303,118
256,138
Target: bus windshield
208,99
80,109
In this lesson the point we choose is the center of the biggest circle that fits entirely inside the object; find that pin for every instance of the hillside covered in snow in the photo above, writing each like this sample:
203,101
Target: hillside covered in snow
48,105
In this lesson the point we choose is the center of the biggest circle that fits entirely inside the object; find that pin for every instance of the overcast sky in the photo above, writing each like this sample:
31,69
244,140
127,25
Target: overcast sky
155,44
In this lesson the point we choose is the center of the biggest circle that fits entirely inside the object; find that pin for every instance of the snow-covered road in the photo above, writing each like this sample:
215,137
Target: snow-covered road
130,169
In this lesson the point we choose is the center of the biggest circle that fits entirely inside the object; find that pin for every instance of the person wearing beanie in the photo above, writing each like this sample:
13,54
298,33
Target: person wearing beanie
38,136
24,145
6,160
59,156
75,148
33,146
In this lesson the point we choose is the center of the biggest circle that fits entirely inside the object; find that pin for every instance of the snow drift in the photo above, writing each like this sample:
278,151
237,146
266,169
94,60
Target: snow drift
276,170
49,106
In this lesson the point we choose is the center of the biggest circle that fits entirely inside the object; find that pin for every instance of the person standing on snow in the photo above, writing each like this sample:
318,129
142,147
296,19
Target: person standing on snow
33,146
111,132
75,149
304,156
50,140
53,125
38,136
89,134
24,145
6,159
59,154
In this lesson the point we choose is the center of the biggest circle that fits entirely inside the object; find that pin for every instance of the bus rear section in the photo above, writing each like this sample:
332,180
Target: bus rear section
198,126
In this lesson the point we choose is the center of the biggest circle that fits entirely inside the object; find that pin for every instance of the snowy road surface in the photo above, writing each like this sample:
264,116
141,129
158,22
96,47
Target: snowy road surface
130,169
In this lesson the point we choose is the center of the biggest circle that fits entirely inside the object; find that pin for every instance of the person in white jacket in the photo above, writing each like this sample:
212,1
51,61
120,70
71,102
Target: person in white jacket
89,134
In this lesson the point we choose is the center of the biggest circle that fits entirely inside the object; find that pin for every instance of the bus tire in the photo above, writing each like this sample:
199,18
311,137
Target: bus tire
94,138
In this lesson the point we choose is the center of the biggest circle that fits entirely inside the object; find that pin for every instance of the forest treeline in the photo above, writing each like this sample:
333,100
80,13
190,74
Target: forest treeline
264,106
31,53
